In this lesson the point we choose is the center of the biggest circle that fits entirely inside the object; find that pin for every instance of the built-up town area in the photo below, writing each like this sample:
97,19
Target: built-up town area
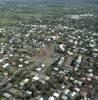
51,58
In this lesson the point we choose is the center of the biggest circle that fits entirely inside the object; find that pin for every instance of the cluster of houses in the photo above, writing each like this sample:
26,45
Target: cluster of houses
41,61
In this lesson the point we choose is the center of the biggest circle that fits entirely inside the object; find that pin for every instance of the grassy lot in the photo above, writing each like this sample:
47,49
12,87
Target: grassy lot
12,18
7,21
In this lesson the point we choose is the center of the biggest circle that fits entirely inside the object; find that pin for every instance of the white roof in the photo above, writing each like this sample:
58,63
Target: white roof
92,45
73,94
11,55
26,80
28,92
26,62
63,86
51,98
78,82
5,73
65,27
76,42
43,65
1,60
76,69
7,95
64,97
41,98
77,89
56,69
96,50
75,17
62,47
47,78
21,59
70,53
38,69
90,75
61,61
89,79
56,94
90,70
71,41
20,65
36,78
6,65
72,78
79,59
22,83
66,91
54,37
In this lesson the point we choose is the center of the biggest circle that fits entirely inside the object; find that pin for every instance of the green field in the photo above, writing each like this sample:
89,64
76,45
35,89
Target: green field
15,14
